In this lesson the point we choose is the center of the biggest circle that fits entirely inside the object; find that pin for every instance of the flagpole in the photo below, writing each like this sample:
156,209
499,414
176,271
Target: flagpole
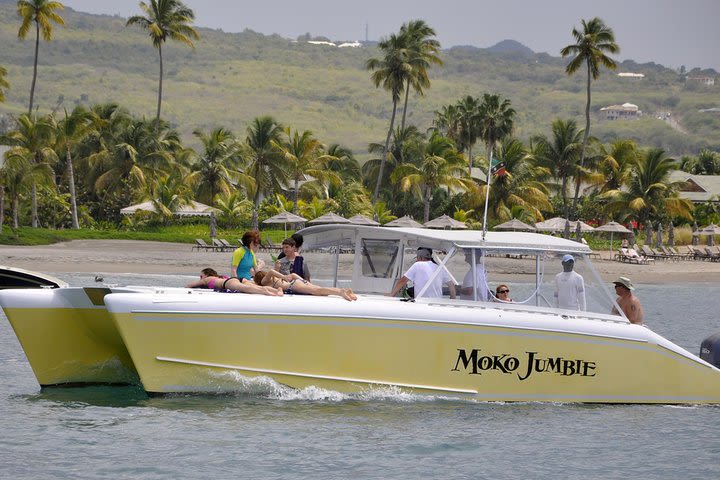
487,194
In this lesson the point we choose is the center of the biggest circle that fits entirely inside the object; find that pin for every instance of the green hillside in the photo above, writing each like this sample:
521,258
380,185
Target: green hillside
231,78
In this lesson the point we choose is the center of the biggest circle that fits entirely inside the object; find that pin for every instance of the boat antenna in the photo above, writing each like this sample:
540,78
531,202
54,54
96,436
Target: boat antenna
487,192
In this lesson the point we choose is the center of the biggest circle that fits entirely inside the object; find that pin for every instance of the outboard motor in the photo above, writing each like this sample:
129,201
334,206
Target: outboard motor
710,349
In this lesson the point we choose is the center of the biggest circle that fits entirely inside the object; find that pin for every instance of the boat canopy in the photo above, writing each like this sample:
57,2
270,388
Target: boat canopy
322,236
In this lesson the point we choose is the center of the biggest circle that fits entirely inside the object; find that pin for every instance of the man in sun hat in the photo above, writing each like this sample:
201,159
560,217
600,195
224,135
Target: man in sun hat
420,272
628,302
569,286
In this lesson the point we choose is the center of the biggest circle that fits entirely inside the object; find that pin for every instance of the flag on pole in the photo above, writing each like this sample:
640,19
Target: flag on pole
498,167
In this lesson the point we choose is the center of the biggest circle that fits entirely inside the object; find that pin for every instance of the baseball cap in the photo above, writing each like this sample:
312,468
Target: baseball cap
625,282
424,253
568,258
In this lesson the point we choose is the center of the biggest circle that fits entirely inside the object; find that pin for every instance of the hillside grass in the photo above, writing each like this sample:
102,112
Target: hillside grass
229,79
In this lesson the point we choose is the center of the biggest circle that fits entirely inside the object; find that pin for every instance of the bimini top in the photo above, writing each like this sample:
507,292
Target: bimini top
345,235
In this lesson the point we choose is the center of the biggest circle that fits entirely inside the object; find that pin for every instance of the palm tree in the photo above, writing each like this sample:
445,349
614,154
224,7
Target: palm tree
422,51
15,178
442,166
517,190
69,134
468,129
165,19
304,157
496,119
42,13
216,168
264,163
32,141
559,155
590,47
4,85
706,163
615,164
392,72
650,195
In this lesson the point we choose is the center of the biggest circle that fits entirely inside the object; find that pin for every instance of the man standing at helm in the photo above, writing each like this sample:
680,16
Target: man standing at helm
569,286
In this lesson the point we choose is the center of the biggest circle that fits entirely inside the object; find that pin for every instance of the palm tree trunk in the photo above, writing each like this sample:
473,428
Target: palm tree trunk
297,193
426,201
470,161
71,185
37,50
157,119
407,94
586,135
15,208
256,207
384,155
2,207
34,205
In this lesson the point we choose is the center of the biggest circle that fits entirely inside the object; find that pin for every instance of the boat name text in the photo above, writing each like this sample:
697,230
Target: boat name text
477,363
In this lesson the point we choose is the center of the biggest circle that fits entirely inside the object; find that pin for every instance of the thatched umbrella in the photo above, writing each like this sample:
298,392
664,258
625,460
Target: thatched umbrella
695,234
285,218
406,221
613,228
447,223
659,235
213,225
671,235
515,225
578,231
648,233
360,219
328,218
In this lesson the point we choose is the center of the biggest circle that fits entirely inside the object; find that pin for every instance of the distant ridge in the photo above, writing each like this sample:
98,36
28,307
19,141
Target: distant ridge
511,46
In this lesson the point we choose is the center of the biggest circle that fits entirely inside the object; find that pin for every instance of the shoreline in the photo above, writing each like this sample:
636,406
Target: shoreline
146,257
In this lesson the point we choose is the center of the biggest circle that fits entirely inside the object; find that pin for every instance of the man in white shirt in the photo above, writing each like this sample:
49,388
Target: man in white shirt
420,272
466,290
569,286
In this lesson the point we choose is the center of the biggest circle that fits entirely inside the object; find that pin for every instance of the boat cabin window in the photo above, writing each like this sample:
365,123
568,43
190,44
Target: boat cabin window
379,257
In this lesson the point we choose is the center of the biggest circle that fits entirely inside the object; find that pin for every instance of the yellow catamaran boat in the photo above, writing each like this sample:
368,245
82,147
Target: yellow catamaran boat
182,340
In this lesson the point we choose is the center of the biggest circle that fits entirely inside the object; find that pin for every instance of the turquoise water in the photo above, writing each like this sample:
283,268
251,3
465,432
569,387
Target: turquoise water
267,431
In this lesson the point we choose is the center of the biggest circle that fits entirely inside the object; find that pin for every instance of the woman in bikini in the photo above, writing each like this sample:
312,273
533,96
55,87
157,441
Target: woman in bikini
209,278
294,283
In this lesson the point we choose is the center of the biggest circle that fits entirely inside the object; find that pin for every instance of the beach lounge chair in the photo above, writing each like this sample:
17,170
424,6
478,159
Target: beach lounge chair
714,253
681,256
201,245
227,246
668,254
648,252
700,253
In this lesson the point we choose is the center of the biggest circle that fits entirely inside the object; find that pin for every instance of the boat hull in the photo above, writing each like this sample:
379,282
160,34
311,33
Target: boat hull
68,336
183,344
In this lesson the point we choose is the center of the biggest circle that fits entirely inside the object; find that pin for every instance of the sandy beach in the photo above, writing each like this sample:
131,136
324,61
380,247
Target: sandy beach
131,256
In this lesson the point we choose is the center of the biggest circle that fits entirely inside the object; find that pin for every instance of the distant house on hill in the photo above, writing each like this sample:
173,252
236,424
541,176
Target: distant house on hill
354,44
631,75
701,79
697,188
626,111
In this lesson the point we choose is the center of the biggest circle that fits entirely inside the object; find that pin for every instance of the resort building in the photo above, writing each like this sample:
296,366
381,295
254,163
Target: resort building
709,81
697,188
631,75
626,111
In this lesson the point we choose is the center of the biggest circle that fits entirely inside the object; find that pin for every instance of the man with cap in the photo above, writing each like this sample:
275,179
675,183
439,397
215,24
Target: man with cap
628,302
420,272
569,286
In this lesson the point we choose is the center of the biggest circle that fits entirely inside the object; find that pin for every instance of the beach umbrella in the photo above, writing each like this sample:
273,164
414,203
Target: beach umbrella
553,225
285,218
710,231
213,225
193,209
578,232
659,236
515,225
330,217
613,228
446,222
406,222
648,233
363,220
695,234
566,230
671,234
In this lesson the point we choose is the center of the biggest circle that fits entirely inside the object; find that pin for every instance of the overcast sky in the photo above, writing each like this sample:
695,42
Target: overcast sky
669,32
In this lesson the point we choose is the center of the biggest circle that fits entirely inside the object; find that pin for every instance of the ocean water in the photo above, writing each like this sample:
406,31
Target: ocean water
268,431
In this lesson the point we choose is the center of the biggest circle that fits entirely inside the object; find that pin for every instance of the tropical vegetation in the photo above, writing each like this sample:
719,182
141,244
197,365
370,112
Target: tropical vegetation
78,169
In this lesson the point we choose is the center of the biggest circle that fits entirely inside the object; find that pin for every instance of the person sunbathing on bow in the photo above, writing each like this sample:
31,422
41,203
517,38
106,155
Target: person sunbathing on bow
209,278
294,283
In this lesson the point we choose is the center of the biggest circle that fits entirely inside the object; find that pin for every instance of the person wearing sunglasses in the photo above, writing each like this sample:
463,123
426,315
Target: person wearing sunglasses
502,293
